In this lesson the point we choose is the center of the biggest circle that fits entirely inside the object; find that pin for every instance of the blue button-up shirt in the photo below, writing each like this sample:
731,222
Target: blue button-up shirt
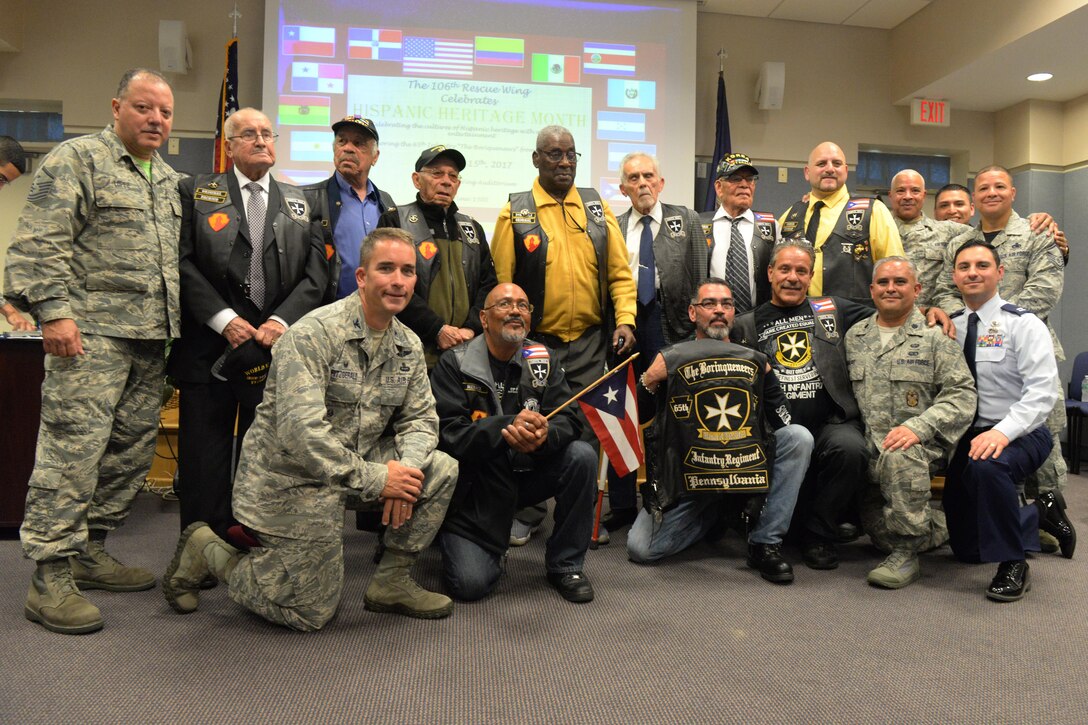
358,217
1014,359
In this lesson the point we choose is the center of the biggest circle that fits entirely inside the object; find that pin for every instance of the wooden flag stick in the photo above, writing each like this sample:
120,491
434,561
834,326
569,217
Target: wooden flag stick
586,388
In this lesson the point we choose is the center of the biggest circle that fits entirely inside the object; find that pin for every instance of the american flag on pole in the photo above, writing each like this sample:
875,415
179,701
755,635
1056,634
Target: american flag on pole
228,104
611,407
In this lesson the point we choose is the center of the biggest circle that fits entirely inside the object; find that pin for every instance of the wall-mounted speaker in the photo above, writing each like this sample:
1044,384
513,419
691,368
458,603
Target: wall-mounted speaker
771,86
175,54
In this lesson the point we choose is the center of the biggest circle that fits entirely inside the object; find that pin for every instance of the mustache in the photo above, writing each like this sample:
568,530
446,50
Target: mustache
514,318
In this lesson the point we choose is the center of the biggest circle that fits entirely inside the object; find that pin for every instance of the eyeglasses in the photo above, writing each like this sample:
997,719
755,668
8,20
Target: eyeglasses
507,304
711,305
737,178
437,174
250,136
556,155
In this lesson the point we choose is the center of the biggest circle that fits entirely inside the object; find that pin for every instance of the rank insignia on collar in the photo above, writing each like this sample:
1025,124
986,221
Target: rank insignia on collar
675,225
595,210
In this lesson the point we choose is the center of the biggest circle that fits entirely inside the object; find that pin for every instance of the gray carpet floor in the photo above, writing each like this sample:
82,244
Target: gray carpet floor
699,638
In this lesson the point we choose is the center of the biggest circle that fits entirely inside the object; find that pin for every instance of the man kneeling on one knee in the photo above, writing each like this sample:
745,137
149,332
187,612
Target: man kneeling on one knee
917,398
493,394
340,377
717,404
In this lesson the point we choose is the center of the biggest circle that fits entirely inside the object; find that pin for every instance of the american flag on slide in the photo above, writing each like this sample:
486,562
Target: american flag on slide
611,407
437,57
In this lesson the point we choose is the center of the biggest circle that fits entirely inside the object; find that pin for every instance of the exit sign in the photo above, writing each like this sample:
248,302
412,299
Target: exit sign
924,112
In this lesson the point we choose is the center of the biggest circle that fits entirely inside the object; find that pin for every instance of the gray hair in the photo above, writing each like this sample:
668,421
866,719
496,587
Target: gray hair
896,258
638,155
549,131
802,244
230,126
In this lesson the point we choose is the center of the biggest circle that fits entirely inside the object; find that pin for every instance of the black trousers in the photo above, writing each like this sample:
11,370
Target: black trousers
840,459
208,452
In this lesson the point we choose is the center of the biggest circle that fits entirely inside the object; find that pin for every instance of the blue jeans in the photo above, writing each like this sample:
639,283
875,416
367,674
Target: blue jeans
471,571
694,516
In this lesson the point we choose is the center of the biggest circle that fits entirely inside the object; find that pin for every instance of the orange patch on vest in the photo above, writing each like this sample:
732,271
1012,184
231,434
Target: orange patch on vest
218,220
532,241
427,250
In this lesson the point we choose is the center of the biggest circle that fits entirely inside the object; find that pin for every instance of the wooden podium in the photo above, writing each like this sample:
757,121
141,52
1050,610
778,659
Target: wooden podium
21,373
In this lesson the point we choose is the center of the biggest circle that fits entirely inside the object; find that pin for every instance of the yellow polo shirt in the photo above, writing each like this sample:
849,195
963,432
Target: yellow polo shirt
570,282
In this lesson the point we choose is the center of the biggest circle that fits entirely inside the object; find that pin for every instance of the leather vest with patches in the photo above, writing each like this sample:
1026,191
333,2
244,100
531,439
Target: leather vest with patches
427,260
709,434
847,253
529,265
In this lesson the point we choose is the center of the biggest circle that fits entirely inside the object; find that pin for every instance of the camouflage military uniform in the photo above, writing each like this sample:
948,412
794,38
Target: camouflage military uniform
317,441
97,243
926,242
922,382
1034,276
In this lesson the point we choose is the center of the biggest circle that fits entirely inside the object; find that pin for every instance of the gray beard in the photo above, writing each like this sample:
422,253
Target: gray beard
717,333
512,337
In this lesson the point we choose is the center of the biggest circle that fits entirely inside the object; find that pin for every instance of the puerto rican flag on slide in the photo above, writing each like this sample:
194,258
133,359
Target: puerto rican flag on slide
611,407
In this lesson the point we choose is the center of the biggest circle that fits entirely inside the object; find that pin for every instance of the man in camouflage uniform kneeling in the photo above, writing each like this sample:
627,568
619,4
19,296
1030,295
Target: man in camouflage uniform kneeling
917,399
340,377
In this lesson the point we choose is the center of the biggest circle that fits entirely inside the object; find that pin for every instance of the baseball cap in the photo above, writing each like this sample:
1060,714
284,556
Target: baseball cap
363,124
733,163
429,155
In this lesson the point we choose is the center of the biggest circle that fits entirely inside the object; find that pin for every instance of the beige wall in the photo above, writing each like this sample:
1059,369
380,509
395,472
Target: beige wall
837,88
100,39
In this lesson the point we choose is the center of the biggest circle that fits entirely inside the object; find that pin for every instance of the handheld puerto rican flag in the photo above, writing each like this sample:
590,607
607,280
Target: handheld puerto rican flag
611,407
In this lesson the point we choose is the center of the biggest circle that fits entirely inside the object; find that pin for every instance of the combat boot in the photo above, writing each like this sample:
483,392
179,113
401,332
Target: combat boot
96,569
55,602
393,590
899,569
199,553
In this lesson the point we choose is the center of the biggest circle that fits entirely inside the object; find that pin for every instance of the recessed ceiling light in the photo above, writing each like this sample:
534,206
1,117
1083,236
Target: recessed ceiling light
1040,76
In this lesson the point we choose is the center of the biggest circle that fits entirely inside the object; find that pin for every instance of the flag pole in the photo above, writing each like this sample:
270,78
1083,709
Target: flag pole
586,388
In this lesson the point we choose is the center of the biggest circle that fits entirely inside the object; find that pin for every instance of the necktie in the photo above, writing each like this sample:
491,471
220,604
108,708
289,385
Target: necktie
970,344
647,285
736,269
814,223
258,210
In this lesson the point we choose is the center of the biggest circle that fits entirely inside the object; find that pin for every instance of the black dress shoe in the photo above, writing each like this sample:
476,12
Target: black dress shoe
820,555
847,532
616,519
1052,519
572,586
1011,582
767,558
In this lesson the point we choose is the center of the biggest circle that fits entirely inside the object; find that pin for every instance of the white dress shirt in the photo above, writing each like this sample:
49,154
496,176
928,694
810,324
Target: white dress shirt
633,233
723,225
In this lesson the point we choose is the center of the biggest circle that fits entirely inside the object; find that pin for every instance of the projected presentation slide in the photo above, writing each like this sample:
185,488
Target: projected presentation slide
481,77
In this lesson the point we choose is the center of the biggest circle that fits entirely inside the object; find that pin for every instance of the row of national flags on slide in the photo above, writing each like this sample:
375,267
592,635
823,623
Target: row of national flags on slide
457,57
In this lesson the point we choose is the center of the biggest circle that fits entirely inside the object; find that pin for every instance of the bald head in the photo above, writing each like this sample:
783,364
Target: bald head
907,195
826,169
505,319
